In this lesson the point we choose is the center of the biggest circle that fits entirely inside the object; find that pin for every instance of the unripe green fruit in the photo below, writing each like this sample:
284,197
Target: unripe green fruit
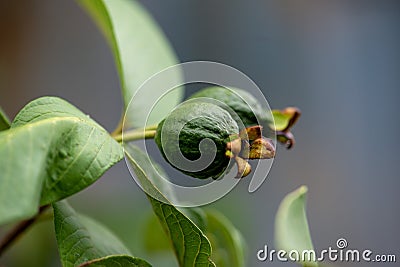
181,132
245,106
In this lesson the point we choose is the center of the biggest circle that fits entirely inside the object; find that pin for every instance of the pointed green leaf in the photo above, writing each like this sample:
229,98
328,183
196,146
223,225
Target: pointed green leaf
291,226
51,151
85,242
228,243
140,50
4,121
191,246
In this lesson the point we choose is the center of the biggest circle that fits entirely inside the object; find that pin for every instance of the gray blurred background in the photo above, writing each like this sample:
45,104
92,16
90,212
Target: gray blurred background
339,61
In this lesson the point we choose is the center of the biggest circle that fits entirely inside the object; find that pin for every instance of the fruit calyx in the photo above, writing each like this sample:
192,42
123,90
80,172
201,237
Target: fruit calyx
250,144
284,135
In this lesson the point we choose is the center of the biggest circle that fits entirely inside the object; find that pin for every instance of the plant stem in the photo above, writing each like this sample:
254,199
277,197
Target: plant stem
15,232
151,127
135,135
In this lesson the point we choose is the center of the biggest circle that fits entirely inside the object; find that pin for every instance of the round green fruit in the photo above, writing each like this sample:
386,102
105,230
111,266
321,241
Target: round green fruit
246,108
193,138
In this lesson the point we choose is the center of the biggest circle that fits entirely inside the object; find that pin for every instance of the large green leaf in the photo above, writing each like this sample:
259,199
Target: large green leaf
291,226
228,243
51,151
140,50
191,246
4,121
84,242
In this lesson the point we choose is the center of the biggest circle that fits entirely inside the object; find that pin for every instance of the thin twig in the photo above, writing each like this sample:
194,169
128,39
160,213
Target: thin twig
135,135
16,232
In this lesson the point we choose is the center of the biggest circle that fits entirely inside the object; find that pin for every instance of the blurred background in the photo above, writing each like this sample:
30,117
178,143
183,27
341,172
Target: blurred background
339,61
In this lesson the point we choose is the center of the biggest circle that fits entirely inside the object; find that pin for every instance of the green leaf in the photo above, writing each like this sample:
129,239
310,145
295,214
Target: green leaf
291,226
140,50
154,238
197,216
228,243
51,151
4,121
84,242
155,174
117,260
191,246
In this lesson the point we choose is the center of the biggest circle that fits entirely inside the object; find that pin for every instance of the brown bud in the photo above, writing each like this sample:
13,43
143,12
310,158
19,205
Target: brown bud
262,148
285,138
294,114
244,167
234,146
251,133
244,153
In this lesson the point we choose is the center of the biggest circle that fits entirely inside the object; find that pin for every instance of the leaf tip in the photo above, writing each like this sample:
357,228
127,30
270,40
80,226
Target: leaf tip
302,190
